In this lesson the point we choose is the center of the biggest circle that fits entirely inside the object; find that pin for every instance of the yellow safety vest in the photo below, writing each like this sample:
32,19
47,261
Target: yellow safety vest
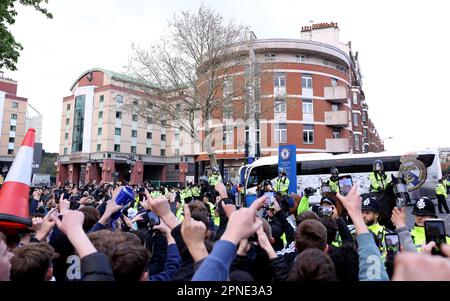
419,238
377,181
282,185
441,190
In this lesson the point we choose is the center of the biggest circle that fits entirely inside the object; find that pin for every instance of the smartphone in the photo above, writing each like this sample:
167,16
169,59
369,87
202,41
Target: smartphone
270,199
325,211
392,243
345,184
435,231
153,219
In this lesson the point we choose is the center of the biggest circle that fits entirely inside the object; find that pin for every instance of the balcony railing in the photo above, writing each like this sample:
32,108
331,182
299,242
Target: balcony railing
336,94
335,146
336,119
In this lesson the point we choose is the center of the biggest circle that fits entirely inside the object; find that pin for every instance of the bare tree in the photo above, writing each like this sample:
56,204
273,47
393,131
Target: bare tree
195,74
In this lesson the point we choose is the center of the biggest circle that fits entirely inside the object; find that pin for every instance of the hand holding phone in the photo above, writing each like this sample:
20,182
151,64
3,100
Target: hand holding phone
345,184
435,231
392,244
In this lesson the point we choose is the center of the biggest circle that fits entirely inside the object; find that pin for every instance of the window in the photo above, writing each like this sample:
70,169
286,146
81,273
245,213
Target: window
118,131
227,87
280,133
336,133
364,117
149,135
67,121
228,136
355,98
10,152
177,152
117,147
14,116
149,120
65,151
134,117
66,136
356,141
355,119
279,81
12,139
365,133
280,104
177,166
133,133
102,98
135,102
227,109
99,147
100,115
334,82
177,136
67,108
148,150
308,134
335,107
119,115
306,81
133,149
163,137
308,106
119,99
163,152
12,128
99,131
78,124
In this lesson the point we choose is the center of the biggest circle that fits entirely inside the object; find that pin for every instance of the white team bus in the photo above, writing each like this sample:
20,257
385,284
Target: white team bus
421,170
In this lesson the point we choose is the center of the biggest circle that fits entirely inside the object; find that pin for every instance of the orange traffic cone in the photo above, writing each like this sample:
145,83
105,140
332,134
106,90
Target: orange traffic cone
14,195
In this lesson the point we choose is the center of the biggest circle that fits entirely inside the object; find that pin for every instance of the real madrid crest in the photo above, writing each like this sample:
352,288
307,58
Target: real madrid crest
285,154
413,171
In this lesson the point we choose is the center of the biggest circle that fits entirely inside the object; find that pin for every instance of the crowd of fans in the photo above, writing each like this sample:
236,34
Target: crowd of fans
166,234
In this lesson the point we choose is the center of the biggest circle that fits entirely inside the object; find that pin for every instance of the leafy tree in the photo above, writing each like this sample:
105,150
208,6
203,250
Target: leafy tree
9,47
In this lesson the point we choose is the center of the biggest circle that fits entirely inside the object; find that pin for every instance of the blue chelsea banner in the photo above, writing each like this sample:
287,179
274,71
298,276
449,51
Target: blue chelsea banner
287,159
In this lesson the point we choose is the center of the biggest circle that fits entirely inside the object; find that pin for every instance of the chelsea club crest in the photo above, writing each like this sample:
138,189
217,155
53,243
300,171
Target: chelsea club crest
285,154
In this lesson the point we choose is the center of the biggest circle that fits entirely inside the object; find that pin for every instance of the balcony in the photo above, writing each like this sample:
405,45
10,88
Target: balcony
336,119
336,94
335,146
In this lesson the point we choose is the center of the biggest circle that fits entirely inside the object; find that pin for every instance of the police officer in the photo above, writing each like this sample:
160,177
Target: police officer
371,211
378,179
303,205
333,182
195,191
282,183
441,193
215,177
423,210
187,194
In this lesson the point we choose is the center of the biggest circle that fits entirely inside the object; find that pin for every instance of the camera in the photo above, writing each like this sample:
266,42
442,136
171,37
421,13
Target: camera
325,211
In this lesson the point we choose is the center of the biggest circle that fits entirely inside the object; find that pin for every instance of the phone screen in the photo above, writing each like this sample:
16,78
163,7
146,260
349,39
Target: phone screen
153,219
271,198
435,231
392,243
345,185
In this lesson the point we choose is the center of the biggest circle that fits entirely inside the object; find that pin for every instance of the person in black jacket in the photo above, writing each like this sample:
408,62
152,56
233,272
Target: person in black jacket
94,265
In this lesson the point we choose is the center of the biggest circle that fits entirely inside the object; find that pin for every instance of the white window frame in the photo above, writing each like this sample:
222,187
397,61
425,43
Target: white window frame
356,139
308,106
355,119
280,104
279,80
336,133
334,82
280,133
227,87
355,98
228,136
307,81
310,134
119,99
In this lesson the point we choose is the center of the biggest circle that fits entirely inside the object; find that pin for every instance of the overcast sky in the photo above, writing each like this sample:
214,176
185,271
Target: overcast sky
403,48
